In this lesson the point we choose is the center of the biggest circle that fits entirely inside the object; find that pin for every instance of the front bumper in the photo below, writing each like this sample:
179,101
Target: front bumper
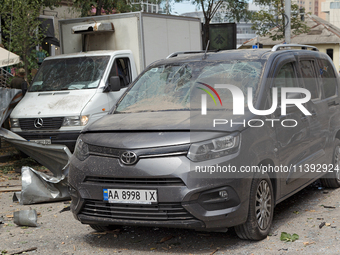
65,138
190,202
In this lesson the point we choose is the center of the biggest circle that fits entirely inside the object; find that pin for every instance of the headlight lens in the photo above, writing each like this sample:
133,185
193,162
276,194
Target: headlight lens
82,150
14,123
76,120
214,148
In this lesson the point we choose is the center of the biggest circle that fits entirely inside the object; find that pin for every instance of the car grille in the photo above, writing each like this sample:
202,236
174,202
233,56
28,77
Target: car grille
48,123
137,181
159,212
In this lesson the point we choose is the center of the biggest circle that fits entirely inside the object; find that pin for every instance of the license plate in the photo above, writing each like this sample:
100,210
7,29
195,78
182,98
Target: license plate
42,141
132,196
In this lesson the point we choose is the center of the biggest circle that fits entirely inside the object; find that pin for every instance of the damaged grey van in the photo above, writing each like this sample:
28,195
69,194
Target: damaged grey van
210,141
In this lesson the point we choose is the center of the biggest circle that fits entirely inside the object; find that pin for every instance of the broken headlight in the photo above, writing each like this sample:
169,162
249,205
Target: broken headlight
214,148
81,150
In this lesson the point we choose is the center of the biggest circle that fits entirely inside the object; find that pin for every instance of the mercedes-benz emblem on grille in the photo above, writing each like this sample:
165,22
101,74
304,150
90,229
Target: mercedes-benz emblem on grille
128,158
38,123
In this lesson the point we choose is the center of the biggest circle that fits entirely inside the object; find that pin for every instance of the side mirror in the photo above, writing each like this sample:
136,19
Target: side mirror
113,85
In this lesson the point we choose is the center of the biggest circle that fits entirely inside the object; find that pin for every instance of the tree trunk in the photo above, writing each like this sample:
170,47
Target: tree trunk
206,33
99,8
24,59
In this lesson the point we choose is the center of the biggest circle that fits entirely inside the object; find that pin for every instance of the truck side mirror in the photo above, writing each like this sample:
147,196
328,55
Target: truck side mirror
113,85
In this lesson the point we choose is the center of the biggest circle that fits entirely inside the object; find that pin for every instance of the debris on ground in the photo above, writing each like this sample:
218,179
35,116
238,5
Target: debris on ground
322,224
25,218
328,206
22,251
10,188
38,187
164,239
65,209
288,237
214,252
308,243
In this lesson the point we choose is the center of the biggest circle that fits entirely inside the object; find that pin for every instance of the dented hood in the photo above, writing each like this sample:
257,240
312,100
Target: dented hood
54,103
168,120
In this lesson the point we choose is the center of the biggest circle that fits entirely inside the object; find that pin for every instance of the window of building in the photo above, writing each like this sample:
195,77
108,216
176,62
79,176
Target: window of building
330,53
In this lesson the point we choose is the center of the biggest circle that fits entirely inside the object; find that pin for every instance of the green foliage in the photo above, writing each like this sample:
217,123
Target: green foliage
288,237
21,27
108,6
272,23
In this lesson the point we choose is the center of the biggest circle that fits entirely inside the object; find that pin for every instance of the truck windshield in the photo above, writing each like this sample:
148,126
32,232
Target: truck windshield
176,87
70,73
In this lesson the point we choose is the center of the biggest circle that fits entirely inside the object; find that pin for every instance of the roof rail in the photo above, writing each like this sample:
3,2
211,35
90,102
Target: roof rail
175,54
304,47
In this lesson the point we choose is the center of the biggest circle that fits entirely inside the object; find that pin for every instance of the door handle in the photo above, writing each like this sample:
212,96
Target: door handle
304,118
333,103
313,114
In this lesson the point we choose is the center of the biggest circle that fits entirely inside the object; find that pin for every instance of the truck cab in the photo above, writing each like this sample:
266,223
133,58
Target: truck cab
69,92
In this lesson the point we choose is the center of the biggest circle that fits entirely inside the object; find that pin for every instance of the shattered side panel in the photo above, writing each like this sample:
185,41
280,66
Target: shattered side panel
53,156
38,187
8,99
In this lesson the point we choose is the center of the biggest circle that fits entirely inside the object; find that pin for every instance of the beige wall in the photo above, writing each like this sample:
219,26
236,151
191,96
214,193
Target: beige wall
322,15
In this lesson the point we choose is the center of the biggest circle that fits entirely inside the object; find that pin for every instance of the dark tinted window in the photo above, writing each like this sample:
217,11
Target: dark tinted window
309,79
328,78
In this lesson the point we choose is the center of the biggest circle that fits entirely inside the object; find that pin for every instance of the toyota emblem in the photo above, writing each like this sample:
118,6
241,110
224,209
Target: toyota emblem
38,123
128,158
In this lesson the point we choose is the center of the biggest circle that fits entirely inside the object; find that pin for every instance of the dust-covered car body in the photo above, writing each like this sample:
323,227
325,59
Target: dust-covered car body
174,154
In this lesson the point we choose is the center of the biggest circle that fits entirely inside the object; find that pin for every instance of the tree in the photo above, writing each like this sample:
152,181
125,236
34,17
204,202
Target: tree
272,22
232,10
103,6
21,28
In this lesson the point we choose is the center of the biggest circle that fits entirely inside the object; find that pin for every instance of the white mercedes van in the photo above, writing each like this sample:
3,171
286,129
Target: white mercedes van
69,92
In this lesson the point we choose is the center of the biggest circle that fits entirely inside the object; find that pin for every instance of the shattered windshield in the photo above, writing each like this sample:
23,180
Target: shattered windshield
176,87
70,73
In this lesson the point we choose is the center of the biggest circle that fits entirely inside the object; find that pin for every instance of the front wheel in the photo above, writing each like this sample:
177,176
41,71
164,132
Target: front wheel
261,209
332,179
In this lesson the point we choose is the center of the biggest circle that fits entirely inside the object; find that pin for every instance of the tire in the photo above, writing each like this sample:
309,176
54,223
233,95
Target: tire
101,228
332,179
259,221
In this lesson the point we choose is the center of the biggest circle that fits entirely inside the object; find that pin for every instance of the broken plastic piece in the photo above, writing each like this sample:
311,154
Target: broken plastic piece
26,218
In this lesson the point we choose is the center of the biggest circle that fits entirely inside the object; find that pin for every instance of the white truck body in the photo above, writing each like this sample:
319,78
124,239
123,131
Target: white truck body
67,94
149,36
